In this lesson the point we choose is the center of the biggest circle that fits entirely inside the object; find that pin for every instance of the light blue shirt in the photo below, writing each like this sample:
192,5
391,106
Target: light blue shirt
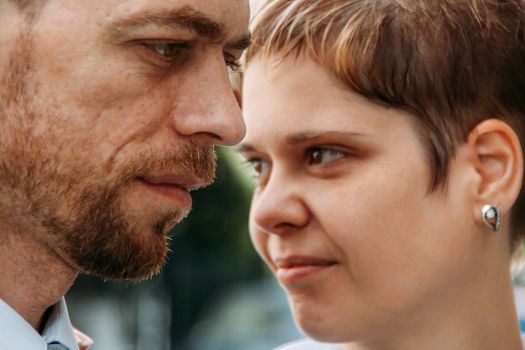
17,334
308,344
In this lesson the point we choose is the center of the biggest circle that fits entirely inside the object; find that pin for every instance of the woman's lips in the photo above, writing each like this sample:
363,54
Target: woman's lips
296,268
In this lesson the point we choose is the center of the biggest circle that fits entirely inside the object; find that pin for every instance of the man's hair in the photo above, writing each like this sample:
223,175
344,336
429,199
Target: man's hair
450,63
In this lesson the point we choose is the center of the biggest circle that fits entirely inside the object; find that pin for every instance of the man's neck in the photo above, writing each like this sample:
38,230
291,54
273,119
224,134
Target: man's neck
33,276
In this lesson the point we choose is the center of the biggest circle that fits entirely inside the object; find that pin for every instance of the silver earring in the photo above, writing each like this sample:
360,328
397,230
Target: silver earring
491,216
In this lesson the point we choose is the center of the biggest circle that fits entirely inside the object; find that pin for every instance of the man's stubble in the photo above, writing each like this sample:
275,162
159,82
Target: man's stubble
69,204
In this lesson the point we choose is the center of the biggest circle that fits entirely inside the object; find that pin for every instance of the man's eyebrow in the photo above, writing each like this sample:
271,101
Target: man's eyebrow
185,18
240,44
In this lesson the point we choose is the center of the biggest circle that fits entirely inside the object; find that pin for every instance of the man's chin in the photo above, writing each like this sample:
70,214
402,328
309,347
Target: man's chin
130,255
163,225
119,242
128,265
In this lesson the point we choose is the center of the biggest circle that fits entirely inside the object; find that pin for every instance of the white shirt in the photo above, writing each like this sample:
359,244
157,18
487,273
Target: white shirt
17,334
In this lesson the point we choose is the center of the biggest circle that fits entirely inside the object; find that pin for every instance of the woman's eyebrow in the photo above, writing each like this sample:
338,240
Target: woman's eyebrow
244,147
306,136
303,137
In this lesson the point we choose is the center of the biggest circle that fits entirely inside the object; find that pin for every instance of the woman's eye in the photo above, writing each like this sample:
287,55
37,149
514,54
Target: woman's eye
319,155
259,167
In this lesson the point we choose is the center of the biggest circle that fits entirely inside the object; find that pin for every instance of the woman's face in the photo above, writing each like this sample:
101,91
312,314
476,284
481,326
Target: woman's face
342,212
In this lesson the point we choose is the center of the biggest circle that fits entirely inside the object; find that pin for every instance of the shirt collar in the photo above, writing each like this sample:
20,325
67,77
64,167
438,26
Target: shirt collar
58,327
18,334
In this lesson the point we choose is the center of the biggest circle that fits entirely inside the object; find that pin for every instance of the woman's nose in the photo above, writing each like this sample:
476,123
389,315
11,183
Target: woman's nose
279,207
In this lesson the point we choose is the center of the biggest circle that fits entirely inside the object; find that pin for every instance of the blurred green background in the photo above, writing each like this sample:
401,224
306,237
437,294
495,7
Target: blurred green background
214,293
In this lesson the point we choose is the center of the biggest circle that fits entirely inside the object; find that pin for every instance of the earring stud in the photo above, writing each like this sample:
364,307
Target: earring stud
491,216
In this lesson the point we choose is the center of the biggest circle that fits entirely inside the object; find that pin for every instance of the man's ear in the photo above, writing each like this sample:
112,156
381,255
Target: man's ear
496,155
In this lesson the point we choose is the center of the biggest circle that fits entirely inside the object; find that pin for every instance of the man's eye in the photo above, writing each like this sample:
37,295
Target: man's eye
233,64
320,155
167,50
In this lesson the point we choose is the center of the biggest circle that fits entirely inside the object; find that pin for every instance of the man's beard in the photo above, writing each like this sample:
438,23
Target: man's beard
69,204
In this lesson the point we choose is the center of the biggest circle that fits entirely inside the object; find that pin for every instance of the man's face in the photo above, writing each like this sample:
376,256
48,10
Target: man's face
109,113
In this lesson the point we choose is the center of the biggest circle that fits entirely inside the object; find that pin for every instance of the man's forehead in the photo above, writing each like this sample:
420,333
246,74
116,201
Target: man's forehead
231,16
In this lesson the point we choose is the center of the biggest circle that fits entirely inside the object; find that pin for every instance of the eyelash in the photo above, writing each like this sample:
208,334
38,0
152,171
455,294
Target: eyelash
310,157
232,64
175,46
252,164
320,150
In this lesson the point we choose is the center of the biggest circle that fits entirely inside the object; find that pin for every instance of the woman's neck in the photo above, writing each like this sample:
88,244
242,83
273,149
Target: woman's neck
480,315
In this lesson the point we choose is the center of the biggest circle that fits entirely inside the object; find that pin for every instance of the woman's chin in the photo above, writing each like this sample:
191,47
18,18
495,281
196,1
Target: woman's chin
318,325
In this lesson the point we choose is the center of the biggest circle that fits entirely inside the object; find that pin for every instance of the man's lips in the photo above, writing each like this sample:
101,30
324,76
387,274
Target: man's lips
187,182
294,268
175,188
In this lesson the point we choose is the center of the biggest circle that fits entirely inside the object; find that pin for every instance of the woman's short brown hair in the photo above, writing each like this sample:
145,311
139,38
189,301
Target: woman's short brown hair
450,63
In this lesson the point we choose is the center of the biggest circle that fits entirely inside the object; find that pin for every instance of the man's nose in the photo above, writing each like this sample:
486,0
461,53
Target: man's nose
206,104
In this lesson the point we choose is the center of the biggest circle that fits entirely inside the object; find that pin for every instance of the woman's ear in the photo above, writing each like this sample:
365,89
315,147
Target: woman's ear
496,155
